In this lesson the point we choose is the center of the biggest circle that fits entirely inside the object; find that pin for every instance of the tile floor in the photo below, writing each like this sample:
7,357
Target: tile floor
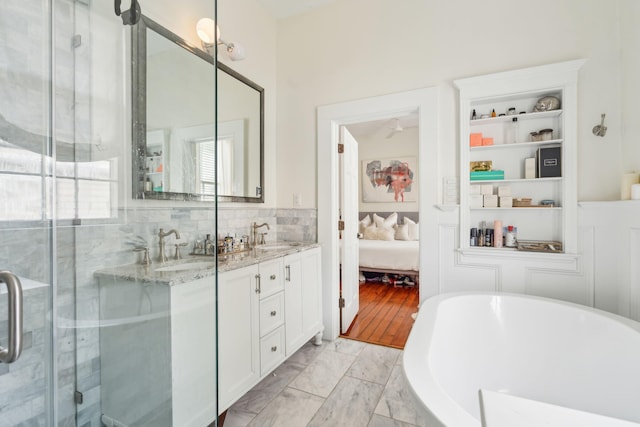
340,383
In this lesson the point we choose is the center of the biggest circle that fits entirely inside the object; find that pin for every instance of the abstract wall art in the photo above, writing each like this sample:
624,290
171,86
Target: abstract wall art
389,180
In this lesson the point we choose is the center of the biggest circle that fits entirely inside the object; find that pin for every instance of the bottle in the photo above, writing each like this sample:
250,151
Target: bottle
493,112
474,237
511,131
481,235
510,240
497,233
488,237
148,185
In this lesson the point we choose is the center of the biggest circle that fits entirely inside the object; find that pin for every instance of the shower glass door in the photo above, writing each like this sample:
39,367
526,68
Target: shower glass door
27,217
105,340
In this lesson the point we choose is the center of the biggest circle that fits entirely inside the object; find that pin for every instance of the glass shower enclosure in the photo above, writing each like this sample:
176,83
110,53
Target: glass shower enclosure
90,335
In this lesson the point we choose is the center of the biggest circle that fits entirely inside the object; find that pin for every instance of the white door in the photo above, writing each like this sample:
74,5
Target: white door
349,210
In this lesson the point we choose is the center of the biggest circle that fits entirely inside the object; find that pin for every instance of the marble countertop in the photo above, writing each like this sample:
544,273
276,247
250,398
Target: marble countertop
175,272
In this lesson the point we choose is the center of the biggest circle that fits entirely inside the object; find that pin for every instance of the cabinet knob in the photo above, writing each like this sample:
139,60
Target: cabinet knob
274,348
273,277
273,313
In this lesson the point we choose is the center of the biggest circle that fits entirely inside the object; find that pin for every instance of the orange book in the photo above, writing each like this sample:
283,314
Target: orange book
487,141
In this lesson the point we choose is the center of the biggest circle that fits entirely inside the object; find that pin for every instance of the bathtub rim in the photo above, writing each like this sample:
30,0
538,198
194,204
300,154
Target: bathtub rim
428,389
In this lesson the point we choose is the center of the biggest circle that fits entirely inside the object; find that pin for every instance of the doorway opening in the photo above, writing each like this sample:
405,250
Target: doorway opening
383,198
331,119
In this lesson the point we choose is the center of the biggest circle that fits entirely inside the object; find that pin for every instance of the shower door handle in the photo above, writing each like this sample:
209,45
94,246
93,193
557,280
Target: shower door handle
14,291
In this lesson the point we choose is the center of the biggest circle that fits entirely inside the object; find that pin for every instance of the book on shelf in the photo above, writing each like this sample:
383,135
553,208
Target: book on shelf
486,175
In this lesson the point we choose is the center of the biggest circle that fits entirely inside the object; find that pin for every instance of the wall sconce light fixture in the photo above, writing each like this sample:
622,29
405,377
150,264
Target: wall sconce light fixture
209,34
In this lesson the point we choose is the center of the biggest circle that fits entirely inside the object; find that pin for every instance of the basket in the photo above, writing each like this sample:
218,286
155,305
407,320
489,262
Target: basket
521,202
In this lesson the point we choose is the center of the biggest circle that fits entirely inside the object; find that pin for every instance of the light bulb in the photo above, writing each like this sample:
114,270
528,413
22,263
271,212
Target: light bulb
208,31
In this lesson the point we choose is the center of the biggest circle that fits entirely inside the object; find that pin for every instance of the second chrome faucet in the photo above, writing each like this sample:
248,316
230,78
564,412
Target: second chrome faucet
255,233
162,257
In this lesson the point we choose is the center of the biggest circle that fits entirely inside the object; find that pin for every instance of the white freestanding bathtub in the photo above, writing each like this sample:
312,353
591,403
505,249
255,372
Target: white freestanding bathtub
537,348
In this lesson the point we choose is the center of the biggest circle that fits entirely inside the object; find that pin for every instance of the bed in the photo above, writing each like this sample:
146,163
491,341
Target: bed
391,256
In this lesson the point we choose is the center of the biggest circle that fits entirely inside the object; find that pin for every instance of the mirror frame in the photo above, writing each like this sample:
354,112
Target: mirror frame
139,114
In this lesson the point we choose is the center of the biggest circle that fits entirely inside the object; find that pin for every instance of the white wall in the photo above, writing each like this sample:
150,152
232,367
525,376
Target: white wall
354,49
402,144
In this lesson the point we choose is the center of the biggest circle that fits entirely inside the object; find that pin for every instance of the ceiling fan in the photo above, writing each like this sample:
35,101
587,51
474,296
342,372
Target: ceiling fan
395,129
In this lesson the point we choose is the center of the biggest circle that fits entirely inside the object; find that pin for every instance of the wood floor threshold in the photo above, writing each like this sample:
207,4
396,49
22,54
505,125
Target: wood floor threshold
385,313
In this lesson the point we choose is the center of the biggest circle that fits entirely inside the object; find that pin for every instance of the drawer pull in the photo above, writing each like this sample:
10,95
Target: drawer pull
273,313
274,348
258,284
273,277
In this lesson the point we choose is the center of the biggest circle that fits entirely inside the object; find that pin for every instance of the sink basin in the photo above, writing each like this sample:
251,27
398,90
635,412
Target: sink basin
198,265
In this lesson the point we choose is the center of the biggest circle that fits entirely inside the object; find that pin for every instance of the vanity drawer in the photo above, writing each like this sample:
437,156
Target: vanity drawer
271,280
271,313
271,350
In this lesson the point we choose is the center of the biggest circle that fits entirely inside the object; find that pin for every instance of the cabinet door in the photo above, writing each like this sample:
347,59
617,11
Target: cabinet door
311,292
238,334
193,352
295,337
303,298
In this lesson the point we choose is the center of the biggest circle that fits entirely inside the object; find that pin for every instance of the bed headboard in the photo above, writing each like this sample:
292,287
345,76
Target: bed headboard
414,216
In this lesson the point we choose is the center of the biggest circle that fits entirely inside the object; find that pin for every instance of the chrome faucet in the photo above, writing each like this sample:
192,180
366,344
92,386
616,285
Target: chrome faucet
161,235
255,233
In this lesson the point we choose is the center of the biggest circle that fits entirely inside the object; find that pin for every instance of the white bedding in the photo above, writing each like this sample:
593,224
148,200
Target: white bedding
390,254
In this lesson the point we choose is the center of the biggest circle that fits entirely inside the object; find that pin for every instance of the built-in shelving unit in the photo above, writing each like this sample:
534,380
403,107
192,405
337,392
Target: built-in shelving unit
512,143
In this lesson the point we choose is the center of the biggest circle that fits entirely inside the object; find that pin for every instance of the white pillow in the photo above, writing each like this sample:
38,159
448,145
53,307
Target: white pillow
364,223
378,233
385,233
389,222
414,228
402,232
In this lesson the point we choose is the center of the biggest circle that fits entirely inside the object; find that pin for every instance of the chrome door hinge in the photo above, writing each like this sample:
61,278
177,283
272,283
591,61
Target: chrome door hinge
340,225
341,302
340,148
78,398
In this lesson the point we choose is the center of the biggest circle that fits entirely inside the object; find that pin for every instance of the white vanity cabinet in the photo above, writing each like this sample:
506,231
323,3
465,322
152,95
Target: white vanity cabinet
303,297
266,312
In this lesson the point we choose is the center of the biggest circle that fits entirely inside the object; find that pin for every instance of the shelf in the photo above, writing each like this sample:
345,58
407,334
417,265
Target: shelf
447,208
533,208
506,119
515,145
558,178
154,173
514,253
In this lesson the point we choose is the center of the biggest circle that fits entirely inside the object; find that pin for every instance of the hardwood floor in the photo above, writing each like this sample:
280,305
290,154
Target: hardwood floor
385,314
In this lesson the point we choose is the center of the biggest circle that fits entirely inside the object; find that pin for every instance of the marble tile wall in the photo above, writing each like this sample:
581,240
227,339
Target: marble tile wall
95,244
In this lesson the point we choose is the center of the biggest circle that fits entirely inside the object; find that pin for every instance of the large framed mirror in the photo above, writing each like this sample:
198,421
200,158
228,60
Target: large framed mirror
176,154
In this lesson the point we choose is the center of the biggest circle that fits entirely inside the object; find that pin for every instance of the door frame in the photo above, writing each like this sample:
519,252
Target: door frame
329,119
